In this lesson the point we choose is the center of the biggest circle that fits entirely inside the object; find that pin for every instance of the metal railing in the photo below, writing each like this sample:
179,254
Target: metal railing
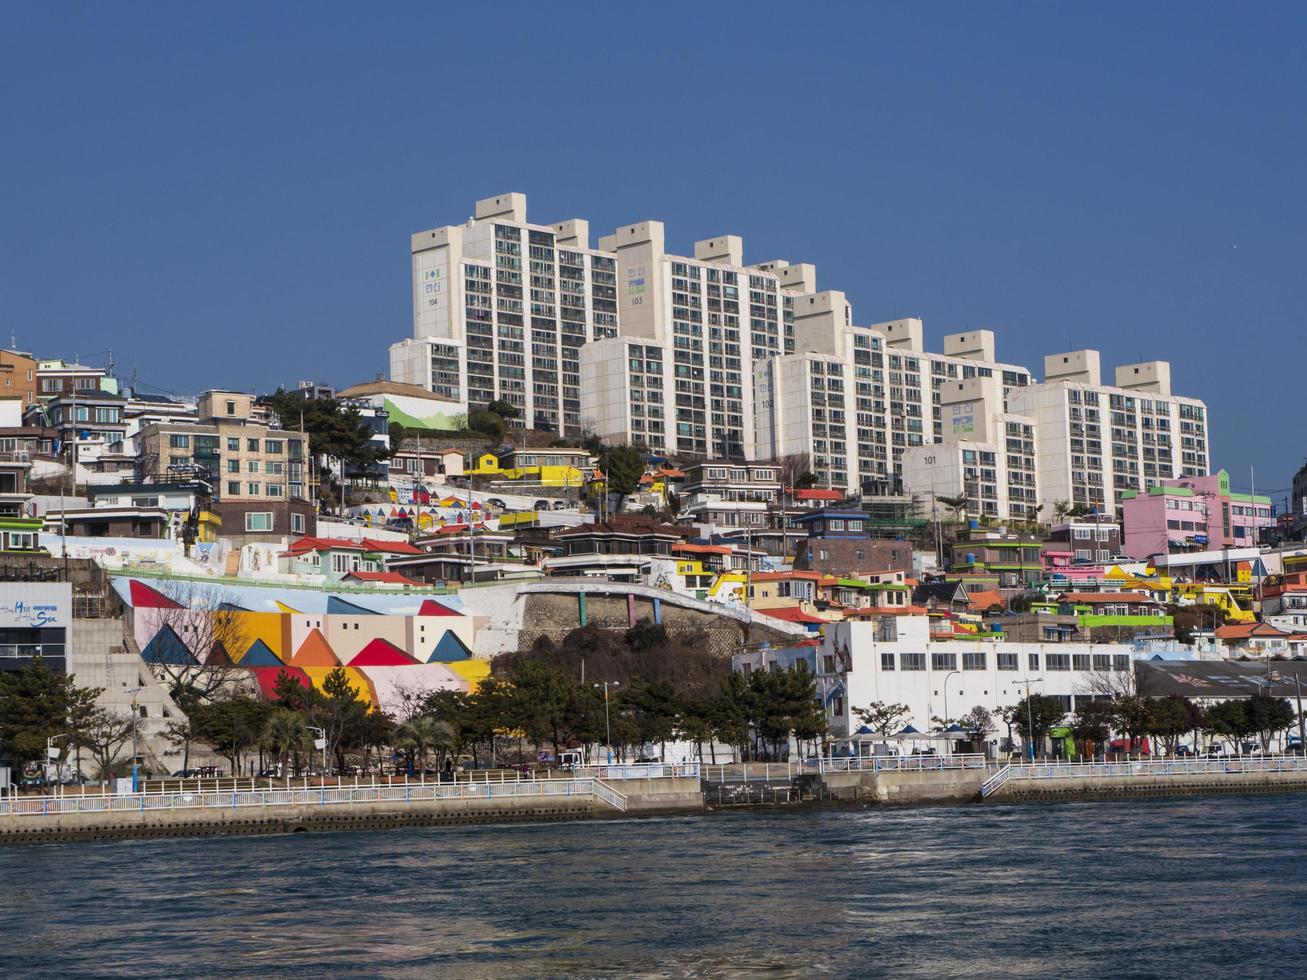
406,793
640,770
769,771
1126,770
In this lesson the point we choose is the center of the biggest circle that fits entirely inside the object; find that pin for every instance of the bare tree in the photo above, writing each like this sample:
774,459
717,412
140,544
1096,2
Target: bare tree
207,621
104,736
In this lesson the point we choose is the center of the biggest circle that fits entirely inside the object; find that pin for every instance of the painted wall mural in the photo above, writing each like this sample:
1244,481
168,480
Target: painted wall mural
388,645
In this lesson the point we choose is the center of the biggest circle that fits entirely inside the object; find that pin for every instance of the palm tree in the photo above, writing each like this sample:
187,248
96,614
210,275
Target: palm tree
422,734
1060,509
957,504
284,734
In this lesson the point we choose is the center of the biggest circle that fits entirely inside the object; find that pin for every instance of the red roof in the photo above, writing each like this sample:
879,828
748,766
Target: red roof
786,576
389,578
816,494
432,608
391,547
983,600
304,545
1242,631
791,614
703,549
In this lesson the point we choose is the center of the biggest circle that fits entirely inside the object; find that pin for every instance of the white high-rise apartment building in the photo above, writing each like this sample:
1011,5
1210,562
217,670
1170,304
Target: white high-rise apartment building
714,318
986,454
1095,441
501,309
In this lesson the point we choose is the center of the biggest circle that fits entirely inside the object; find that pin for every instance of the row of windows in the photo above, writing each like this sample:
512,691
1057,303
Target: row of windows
979,660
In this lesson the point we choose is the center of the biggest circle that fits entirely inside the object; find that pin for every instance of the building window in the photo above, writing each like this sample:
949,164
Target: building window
1007,661
297,523
252,445
233,488
887,661
254,466
943,661
1080,661
179,442
274,490
233,466
272,447
253,489
233,445
1058,661
258,521
1034,661
974,661
912,661
231,407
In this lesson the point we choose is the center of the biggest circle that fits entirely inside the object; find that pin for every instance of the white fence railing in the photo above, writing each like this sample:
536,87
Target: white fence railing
641,770
407,793
778,771
1127,770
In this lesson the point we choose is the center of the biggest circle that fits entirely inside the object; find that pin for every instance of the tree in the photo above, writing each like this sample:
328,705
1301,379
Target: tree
956,504
539,701
1093,722
285,735
396,433
231,726
1134,716
336,429
340,714
1267,716
506,410
883,718
36,704
1168,719
1228,720
622,467
1060,509
793,467
977,723
1035,717
655,709
488,424
422,735
104,736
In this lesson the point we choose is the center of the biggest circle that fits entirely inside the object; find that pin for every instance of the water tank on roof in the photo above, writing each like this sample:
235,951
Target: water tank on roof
971,557
973,524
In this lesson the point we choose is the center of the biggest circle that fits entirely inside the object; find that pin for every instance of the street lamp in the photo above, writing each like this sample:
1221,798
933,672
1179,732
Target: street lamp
52,753
947,719
1030,717
608,726
320,743
136,747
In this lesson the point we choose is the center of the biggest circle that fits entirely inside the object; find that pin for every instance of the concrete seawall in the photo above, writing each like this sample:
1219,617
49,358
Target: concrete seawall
1106,787
644,797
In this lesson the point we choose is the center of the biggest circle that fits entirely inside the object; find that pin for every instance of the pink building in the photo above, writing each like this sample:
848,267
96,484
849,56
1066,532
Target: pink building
1192,513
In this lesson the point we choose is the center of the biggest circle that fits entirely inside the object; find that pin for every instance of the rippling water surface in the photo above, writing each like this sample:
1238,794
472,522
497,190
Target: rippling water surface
1145,888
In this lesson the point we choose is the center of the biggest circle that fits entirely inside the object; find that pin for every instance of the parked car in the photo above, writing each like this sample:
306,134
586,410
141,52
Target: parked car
496,503
542,505
560,505
1183,750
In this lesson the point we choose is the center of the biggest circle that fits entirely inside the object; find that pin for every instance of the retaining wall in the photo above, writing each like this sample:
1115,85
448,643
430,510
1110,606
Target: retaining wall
1103,787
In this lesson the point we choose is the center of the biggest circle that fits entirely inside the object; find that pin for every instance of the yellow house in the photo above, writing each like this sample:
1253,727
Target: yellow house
481,464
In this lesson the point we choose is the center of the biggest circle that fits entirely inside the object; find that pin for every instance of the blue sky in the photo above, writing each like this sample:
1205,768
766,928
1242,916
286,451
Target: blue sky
224,195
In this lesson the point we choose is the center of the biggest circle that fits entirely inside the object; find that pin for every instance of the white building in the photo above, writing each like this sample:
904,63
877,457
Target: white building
893,660
985,454
501,308
1095,441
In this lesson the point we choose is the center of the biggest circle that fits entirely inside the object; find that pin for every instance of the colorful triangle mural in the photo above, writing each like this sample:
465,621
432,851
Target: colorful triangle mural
284,608
218,657
381,653
315,651
259,655
144,597
339,607
449,648
166,647
266,678
432,608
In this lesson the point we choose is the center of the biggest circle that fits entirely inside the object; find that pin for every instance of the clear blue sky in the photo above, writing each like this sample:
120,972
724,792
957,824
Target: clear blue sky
224,195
